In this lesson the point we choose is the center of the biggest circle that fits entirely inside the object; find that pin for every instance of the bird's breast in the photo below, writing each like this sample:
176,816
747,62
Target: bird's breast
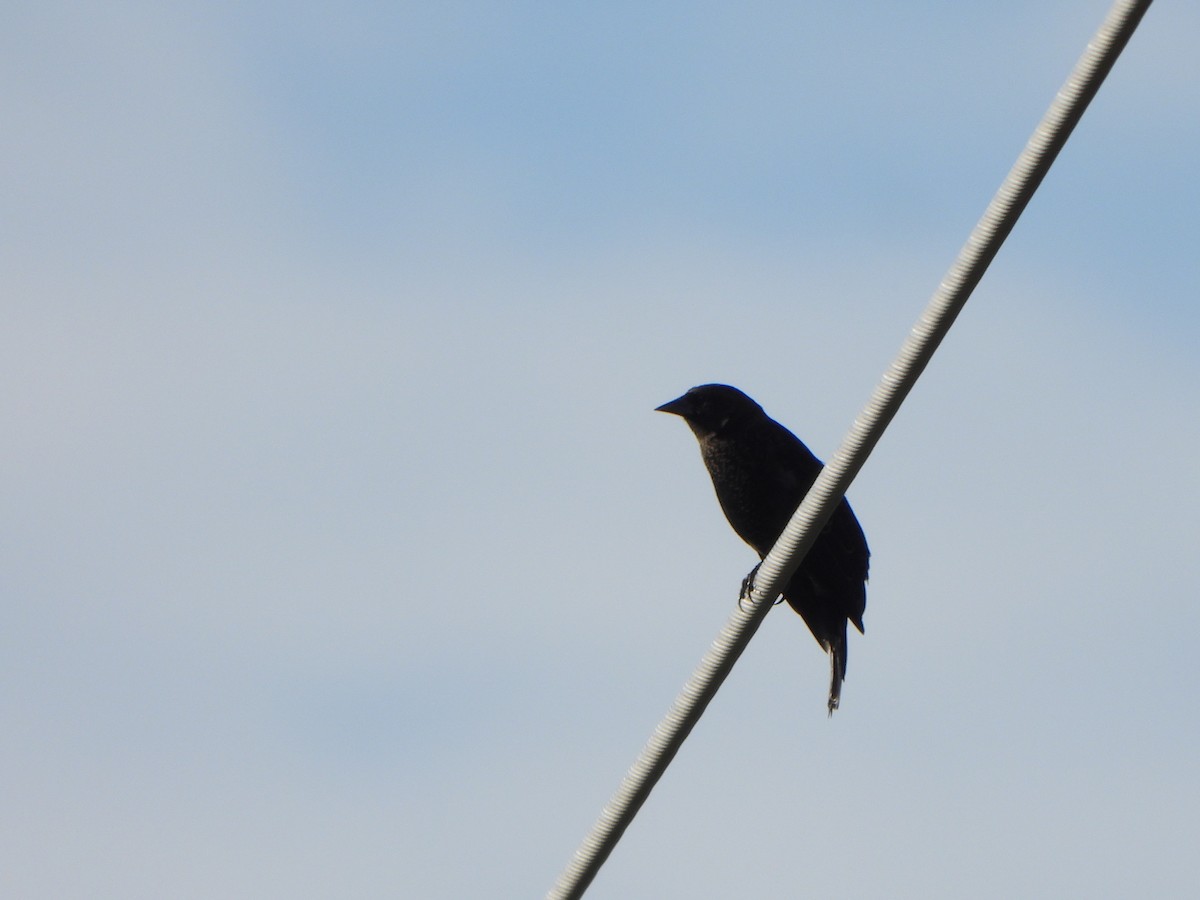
756,496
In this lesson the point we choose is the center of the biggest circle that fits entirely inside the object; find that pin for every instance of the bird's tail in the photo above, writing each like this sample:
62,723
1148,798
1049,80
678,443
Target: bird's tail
837,671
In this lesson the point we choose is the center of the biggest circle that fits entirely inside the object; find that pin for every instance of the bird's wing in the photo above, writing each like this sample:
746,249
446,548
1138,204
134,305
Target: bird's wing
841,559
848,560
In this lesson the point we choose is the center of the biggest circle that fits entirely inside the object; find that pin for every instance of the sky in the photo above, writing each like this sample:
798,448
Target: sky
343,553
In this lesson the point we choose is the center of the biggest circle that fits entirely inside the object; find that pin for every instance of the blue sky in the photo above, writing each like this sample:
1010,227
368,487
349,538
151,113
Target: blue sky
343,553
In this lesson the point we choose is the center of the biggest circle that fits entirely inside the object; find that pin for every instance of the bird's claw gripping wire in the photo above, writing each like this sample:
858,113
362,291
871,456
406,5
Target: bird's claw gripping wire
748,589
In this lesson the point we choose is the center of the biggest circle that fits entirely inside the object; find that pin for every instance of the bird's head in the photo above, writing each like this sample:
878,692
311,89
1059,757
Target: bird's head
711,408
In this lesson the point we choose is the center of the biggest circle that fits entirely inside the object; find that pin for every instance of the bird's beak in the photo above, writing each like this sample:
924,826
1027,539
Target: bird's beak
677,407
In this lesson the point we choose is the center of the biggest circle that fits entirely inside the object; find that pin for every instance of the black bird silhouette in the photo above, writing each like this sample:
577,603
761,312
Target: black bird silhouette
761,472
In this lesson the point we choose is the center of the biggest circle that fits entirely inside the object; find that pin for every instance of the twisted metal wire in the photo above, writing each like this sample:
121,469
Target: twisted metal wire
785,557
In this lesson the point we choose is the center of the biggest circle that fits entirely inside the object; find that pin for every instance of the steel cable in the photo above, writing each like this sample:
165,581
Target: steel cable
972,262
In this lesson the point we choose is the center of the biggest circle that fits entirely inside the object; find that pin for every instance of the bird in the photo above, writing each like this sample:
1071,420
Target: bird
760,472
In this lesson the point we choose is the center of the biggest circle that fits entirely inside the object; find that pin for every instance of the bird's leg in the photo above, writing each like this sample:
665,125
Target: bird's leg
747,587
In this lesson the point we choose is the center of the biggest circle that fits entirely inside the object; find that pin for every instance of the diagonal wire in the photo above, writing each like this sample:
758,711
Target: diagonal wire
787,554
